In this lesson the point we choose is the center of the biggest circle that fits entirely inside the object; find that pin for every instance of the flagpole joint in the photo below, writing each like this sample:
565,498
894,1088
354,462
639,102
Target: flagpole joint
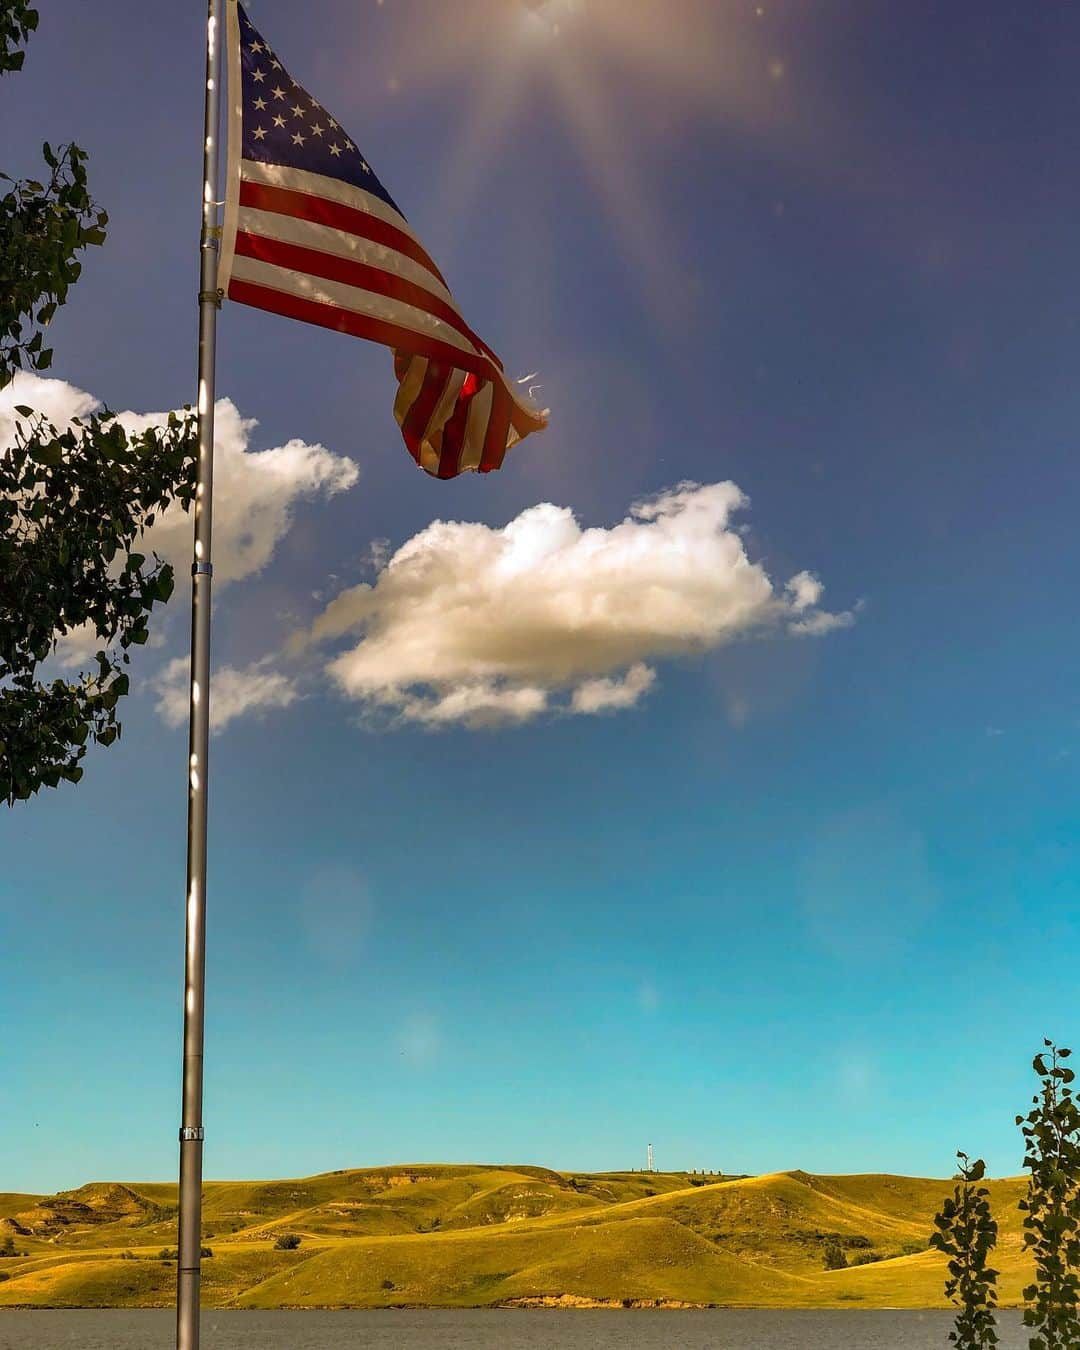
191,1134
212,297
202,569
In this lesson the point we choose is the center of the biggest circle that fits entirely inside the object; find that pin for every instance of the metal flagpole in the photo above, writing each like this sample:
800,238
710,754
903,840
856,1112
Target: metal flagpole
191,1129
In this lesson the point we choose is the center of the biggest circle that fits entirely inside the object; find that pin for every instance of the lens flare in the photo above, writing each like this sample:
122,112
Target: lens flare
584,58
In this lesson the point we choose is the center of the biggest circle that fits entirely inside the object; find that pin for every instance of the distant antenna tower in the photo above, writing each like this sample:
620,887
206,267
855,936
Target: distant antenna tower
651,1167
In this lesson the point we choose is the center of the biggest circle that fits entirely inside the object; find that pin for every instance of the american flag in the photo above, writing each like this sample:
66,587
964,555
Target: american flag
310,232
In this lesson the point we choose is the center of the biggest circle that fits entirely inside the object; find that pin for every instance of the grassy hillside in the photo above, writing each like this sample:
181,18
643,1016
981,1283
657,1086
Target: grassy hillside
472,1235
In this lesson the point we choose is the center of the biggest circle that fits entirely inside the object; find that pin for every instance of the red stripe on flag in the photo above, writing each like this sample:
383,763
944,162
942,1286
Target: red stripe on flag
326,315
321,211
498,429
418,416
453,441
314,262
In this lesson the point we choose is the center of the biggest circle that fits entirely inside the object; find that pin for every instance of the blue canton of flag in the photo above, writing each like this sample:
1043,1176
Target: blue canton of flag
285,125
311,233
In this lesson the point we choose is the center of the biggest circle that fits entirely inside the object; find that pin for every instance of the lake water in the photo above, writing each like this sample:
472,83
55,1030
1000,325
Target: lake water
497,1329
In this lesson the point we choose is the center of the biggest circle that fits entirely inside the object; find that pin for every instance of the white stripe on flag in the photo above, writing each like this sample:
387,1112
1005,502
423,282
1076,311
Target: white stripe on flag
340,244
353,298
476,428
333,189
410,387
445,407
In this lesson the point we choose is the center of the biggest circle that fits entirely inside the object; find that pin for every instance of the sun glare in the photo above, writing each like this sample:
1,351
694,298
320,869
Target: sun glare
583,56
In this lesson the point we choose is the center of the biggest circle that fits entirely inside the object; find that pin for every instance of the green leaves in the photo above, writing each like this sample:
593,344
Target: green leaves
1051,1132
17,21
966,1232
73,505
43,227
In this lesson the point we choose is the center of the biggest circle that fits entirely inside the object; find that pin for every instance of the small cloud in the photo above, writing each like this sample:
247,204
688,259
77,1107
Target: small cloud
606,695
805,591
994,731
233,693
481,626
255,491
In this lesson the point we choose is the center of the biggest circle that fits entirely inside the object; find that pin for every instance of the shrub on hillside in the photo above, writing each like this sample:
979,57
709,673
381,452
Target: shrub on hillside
287,1242
833,1257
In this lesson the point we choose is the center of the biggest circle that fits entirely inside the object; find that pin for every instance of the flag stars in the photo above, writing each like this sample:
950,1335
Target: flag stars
279,121
260,104
278,93
365,166
260,133
297,110
258,76
256,47
275,64
316,130
349,145
298,139
335,150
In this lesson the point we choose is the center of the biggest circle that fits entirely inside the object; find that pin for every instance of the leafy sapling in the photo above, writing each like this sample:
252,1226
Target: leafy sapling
966,1232
1051,1131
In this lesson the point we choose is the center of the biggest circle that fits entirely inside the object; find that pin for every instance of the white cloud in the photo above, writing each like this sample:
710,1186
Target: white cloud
475,625
820,623
255,491
233,692
805,591
607,695
56,399
254,495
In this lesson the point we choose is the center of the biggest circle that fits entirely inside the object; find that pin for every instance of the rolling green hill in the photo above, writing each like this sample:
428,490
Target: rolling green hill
473,1235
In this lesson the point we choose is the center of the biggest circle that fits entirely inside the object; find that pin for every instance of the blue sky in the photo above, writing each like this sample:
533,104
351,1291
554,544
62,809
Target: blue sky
811,901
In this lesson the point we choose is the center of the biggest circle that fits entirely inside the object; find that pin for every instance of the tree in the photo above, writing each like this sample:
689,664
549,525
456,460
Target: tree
1051,1131
73,501
966,1232
288,1242
17,21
